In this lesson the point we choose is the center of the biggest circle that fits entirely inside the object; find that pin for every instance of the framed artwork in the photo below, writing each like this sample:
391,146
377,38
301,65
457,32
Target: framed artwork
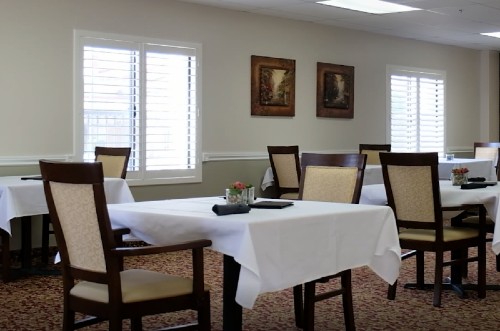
272,86
335,91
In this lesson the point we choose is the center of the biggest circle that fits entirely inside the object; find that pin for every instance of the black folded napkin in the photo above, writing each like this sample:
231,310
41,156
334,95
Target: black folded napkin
477,179
221,210
471,186
32,178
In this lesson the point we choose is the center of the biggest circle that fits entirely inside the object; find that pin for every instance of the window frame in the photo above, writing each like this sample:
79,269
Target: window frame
142,176
421,73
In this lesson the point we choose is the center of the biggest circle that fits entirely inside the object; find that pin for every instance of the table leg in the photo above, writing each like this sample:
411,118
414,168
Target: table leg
26,242
232,312
5,237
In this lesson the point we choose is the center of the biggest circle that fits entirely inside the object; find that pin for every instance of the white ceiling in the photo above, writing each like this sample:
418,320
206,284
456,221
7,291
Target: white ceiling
450,22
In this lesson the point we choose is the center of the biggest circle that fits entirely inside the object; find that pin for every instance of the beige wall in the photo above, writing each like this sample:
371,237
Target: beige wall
36,85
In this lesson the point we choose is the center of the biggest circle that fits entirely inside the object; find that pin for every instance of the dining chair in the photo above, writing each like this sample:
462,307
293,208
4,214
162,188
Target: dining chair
285,164
331,178
114,161
489,151
373,151
482,150
5,238
94,282
411,182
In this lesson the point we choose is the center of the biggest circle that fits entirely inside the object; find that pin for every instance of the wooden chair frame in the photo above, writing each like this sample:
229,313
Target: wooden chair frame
111,151
304,302
115,151
279,186
435,225
115,310
494,145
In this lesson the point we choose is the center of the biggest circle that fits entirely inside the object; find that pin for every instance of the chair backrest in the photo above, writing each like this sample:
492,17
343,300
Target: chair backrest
78,211
332,177
373,151
285,164
490,151
114,160
411,182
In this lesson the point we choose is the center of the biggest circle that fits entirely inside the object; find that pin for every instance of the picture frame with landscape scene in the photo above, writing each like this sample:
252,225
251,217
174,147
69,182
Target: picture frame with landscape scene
335,91
272,86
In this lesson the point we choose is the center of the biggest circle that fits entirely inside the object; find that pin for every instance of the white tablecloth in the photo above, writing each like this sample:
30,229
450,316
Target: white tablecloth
373,173
20,198
450,196
477,168
276,248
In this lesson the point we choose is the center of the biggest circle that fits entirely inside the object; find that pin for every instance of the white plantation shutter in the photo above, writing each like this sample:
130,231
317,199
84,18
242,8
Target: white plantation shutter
416,110
143,95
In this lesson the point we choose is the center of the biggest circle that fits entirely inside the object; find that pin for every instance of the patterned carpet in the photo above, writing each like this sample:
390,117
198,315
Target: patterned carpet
35,302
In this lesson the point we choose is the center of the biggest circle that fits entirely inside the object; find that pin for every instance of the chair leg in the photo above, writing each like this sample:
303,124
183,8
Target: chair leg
68,319
204,322
420,270
115,323
498,262
345,280
5,256
309,301
136,324
298,305
438,279
481,270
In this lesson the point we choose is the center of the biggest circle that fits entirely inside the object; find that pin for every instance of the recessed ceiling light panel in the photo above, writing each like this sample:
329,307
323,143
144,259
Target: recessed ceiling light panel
492,34
369,6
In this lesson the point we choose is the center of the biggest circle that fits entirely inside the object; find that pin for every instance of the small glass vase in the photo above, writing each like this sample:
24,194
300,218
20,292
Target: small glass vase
235,196
459,179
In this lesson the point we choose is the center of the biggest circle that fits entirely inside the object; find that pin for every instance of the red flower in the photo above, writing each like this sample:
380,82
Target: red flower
459,171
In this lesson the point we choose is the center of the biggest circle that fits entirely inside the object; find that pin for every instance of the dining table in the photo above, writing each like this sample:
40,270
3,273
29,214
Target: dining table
22,197
373,172
268,250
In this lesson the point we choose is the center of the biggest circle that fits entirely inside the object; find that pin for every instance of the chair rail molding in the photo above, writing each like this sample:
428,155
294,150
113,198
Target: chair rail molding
31,159
233,156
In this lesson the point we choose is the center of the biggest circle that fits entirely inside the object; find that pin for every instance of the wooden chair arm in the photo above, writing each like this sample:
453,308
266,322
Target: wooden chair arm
119,233
147,250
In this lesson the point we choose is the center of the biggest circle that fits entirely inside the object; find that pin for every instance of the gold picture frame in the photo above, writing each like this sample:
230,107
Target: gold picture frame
335,91
272,86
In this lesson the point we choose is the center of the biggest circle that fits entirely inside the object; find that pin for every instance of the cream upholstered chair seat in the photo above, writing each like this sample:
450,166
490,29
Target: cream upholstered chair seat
95,283
137,285
449,234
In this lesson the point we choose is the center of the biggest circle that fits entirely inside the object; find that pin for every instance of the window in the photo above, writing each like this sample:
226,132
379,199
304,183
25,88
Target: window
416,110
143,94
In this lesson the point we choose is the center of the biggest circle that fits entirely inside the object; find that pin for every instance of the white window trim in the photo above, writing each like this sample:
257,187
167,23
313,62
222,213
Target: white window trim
392,69
78,124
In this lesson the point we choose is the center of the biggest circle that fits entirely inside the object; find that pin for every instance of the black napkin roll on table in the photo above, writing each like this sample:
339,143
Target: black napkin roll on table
471,186
477,179
221,210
